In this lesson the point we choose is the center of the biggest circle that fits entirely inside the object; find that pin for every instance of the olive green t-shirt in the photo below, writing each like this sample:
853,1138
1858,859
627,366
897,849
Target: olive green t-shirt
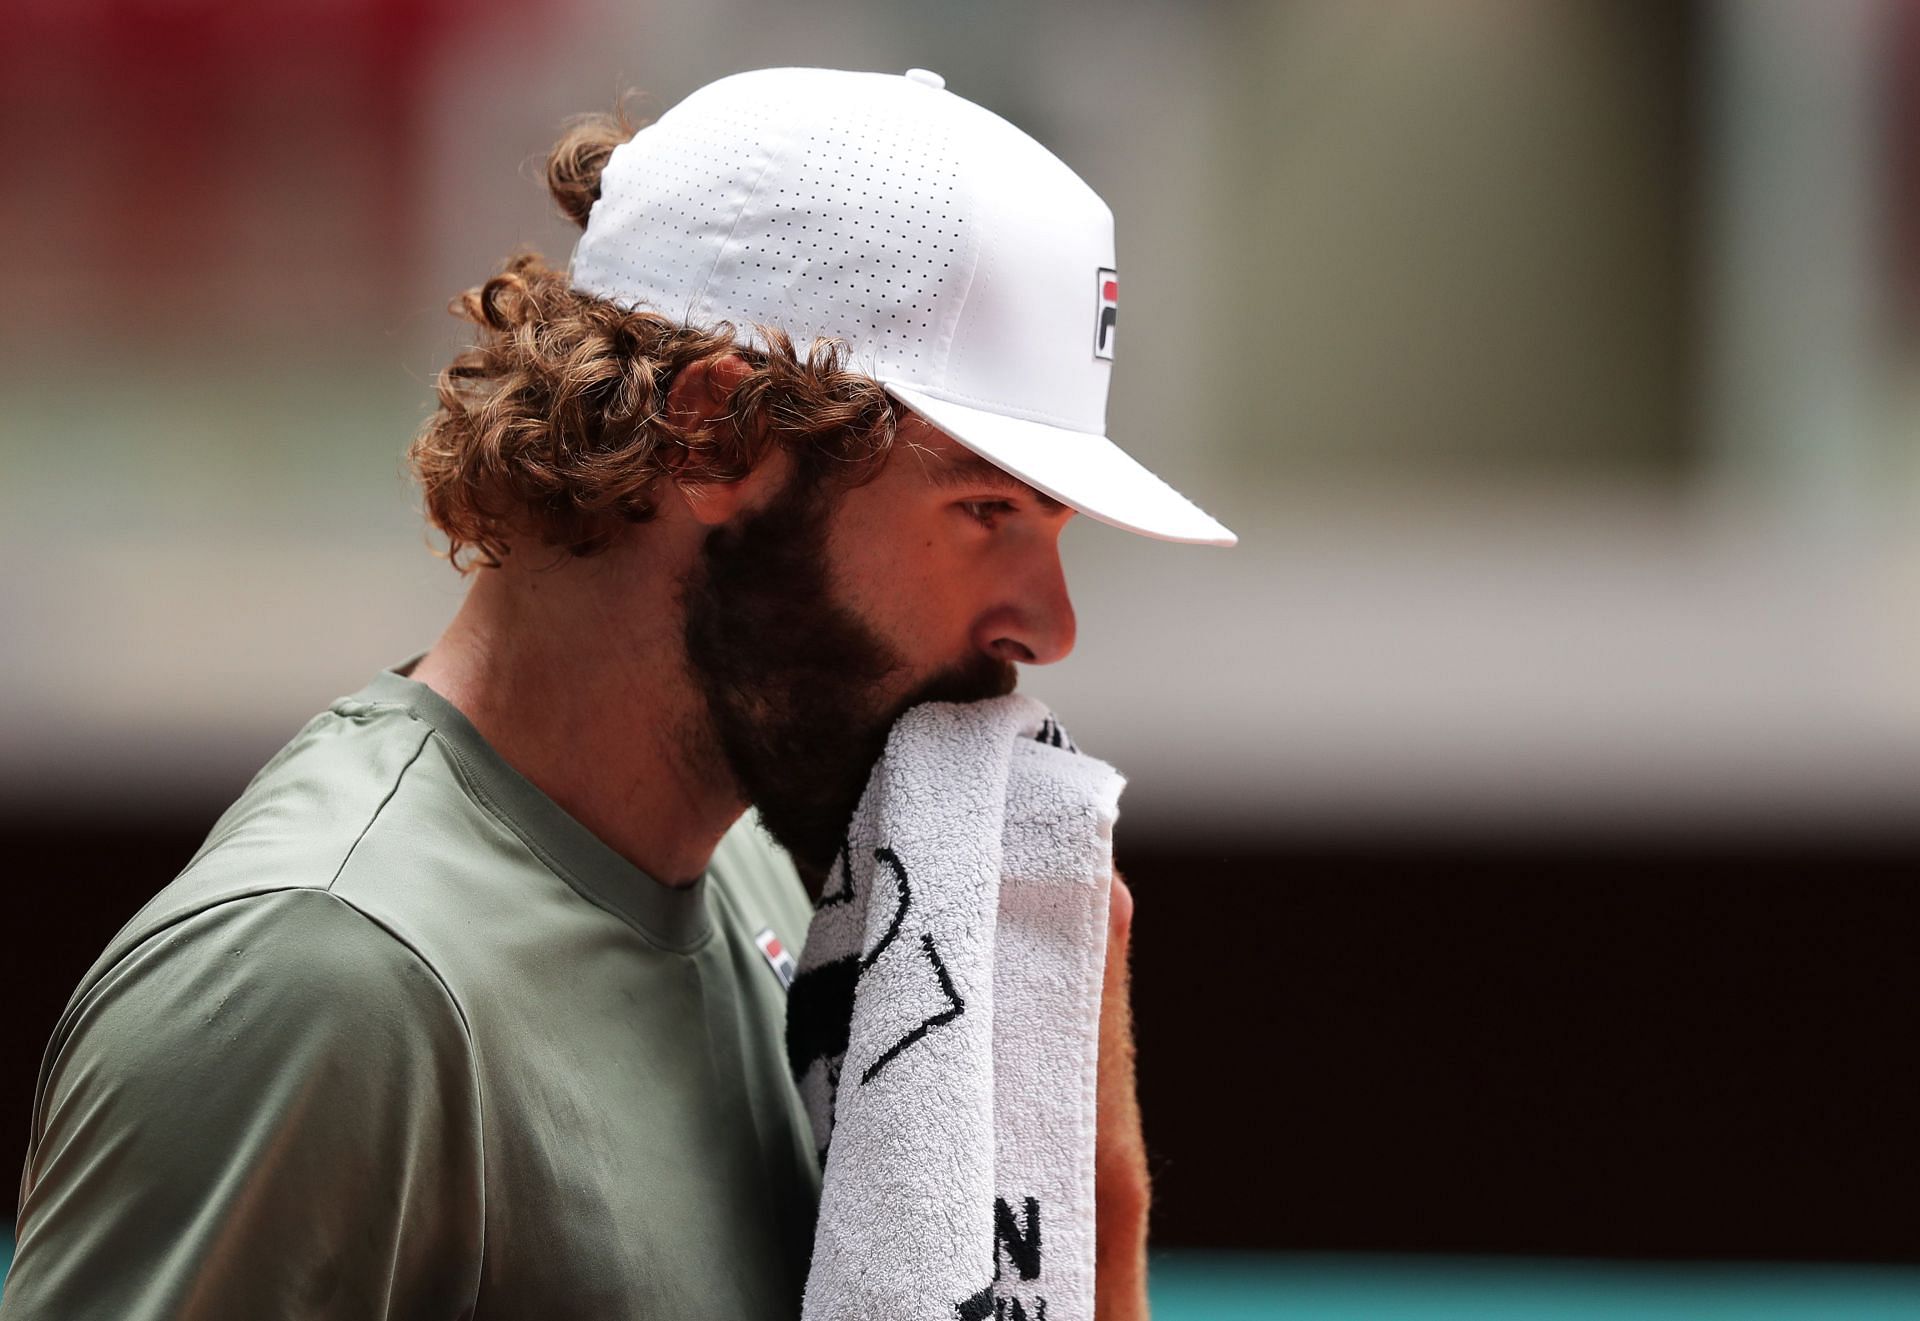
406,1040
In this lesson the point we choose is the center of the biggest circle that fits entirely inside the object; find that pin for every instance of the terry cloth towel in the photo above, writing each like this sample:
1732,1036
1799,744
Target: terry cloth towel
944,1023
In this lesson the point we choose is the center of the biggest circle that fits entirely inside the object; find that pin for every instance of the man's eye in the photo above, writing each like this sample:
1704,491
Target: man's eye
987,512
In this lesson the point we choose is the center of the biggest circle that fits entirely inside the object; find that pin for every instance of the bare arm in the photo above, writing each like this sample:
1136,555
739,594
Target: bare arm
1121,1186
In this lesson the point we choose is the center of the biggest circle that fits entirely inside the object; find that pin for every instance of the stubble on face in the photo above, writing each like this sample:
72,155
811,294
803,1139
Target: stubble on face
800,691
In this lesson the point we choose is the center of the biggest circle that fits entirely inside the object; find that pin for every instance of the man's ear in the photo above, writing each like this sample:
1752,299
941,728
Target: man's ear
702,394
702,391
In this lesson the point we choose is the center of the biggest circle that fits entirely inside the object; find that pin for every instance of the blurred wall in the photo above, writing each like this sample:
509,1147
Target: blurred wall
1536,351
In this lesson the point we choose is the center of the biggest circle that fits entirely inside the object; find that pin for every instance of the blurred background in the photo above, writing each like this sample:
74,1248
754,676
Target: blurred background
1522,818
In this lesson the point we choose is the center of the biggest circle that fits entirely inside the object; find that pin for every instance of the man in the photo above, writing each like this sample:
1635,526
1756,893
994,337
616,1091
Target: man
470,1005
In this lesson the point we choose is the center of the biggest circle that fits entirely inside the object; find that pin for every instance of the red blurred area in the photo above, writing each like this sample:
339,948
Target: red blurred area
199,165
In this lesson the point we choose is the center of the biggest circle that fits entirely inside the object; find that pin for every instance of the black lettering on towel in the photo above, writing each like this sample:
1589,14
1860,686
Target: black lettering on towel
955,1005
1023,1246
1021,1243
977,1308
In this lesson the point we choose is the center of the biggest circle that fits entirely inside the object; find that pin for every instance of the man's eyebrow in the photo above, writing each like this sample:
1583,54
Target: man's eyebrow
972,470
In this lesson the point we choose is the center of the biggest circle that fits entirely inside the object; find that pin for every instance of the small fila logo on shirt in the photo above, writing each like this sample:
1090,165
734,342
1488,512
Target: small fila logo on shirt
1108,314
777,957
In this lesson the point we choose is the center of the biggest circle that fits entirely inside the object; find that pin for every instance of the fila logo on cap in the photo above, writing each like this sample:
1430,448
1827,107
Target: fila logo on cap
776,955
1108,315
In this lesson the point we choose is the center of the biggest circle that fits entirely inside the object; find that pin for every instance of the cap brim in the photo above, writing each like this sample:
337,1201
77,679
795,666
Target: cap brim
1077,468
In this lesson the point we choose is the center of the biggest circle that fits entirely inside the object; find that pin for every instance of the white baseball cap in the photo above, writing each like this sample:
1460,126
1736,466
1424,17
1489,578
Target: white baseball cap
964,266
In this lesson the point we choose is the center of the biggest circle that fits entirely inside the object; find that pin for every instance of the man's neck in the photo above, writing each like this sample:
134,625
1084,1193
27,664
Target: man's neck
576,676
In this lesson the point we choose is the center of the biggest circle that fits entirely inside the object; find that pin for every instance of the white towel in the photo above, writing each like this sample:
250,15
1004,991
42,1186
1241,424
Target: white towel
944,1024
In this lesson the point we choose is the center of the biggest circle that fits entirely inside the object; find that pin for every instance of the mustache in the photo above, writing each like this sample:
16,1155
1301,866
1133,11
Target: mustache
973,680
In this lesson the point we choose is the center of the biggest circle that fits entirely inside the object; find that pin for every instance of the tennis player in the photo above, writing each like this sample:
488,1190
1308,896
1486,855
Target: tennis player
472,1004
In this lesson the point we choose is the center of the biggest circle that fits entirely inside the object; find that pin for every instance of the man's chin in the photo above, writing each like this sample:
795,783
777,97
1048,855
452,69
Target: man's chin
811,822
811,837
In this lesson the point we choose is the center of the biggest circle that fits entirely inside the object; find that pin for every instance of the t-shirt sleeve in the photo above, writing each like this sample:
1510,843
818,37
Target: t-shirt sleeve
268,1109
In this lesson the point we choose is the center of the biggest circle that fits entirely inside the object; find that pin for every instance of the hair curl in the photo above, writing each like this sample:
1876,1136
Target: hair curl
554,424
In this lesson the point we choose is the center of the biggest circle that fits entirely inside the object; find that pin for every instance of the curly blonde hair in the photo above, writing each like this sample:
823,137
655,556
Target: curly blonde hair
554,424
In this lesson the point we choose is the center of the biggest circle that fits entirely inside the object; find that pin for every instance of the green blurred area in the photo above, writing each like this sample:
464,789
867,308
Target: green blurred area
1214,1286
1190,1286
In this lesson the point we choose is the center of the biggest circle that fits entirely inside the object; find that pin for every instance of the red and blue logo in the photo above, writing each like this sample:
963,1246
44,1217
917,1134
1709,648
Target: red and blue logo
776,955
1107,315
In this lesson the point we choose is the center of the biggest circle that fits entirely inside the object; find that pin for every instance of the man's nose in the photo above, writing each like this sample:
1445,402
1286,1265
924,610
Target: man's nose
1035,623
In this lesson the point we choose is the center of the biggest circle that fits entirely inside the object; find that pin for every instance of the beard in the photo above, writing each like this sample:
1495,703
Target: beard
796,684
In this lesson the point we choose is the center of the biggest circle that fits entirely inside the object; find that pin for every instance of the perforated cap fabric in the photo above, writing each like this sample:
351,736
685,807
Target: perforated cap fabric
964,266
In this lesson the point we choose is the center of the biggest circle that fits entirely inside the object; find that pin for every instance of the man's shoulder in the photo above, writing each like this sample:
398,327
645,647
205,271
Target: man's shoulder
302,815
290,833
324,787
